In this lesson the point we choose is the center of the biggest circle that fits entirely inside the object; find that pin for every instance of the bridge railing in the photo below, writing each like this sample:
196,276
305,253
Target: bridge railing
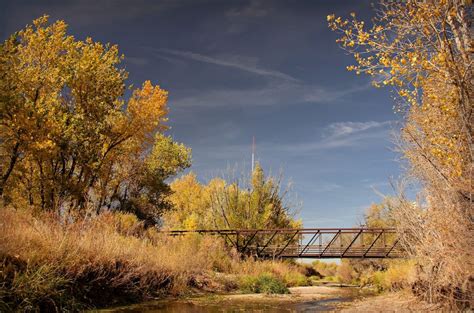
308,242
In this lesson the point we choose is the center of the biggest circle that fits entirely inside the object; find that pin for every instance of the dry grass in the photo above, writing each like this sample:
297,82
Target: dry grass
393,302
52,266
440,237
44,262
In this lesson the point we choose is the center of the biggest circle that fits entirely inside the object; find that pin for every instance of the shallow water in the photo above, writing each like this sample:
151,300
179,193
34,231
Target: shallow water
233,306
182,307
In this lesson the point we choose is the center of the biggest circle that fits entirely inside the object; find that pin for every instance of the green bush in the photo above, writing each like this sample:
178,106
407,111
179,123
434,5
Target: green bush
295,279
263,283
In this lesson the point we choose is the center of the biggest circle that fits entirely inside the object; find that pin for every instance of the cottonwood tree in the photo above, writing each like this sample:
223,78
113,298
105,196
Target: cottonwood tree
190,204
423,49
260,204
69,140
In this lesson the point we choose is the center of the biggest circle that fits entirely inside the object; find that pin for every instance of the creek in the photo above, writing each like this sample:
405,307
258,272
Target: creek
301,299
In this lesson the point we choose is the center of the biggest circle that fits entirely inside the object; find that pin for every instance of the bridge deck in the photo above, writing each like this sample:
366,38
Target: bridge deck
308,242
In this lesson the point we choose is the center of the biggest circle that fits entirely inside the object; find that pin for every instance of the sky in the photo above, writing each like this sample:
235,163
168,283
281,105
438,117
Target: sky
238,69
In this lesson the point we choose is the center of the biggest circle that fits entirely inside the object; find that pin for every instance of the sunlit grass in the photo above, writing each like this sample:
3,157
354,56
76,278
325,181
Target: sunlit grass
113,257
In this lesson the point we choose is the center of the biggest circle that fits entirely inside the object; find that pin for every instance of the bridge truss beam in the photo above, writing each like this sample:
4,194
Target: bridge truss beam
315,243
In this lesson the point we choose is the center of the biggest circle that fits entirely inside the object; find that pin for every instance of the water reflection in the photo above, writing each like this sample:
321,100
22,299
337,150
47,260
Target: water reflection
168,306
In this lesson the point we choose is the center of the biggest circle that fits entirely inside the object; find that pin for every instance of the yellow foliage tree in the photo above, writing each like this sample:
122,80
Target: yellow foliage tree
222,205
424,49
68,138
190,201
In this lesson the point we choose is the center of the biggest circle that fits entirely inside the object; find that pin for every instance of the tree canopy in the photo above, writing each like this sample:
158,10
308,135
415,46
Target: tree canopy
229,205
69,138
424,50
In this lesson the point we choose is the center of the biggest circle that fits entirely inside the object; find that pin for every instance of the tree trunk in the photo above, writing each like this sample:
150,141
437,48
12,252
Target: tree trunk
13,159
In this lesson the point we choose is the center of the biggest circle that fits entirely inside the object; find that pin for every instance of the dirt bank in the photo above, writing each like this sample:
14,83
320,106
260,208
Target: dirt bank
391,302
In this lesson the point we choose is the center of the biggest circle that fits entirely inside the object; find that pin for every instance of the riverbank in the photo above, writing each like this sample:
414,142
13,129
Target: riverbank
298,294
49,265
110,260
392,302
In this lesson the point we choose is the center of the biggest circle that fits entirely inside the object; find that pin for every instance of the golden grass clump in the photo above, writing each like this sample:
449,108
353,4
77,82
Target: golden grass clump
50,264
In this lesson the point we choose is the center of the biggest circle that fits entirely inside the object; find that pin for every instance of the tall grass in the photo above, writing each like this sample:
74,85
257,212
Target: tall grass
51,266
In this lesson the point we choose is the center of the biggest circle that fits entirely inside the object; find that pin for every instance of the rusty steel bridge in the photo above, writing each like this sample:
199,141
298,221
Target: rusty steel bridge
315,243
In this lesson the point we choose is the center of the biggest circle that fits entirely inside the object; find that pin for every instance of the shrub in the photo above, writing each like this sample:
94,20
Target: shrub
264,283
296,279
325,268
126,223
345,273
398,274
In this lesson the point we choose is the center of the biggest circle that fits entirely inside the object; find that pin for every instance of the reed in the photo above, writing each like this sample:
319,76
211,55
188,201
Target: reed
50,265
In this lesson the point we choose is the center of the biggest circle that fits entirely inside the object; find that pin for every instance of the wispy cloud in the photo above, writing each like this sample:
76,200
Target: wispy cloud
276,87
340,129
338,135
273,93
341,135
318,94
232,61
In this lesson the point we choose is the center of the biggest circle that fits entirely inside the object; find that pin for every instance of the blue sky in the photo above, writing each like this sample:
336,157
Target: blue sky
237,69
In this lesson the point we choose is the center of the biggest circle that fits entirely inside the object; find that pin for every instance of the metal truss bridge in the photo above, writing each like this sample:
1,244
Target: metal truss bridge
315,243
